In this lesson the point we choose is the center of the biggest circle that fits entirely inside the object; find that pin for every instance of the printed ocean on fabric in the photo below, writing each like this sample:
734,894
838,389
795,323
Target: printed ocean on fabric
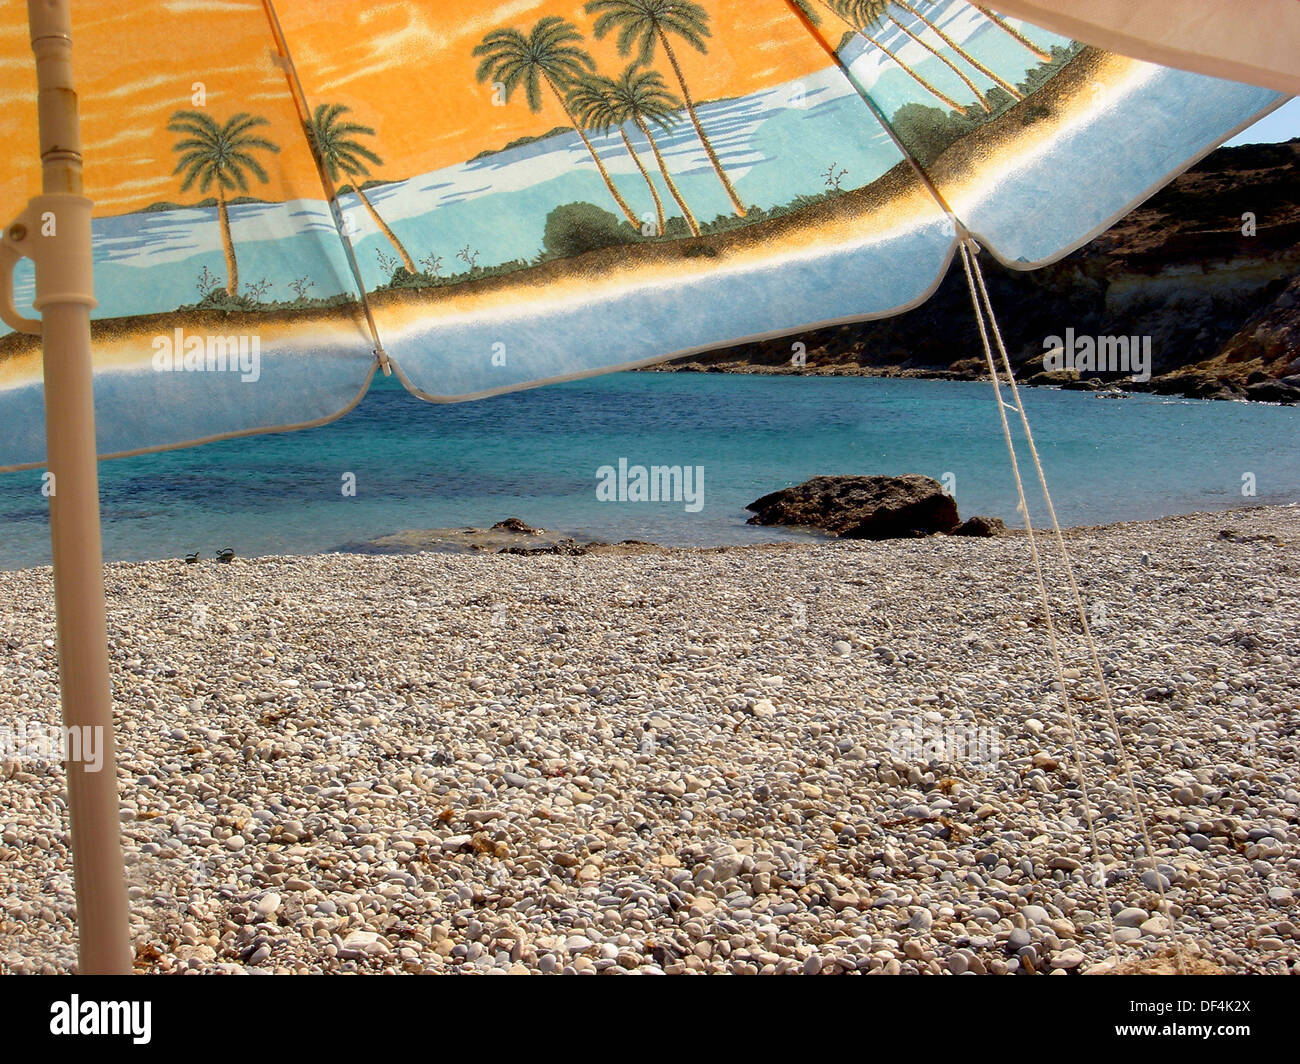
541,190
213,243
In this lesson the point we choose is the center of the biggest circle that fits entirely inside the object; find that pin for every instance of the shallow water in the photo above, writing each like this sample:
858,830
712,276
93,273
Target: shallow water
535,455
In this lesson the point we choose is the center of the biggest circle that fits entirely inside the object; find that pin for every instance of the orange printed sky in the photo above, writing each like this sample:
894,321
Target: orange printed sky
404,67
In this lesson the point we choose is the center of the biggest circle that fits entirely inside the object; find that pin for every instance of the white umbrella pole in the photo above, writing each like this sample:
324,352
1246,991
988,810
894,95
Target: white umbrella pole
64,299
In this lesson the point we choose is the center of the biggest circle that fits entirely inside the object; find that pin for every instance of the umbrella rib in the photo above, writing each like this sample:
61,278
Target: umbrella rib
912,160
331,192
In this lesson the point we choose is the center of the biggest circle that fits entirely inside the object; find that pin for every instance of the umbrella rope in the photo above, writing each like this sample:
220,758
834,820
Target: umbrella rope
975,282
299,95
975,278
966,259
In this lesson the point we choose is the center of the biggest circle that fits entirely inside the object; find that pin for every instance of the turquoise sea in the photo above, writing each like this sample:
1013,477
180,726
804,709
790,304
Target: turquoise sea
535,455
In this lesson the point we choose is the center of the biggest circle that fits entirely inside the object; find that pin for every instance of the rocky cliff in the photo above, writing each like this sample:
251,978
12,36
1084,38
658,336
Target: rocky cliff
1208,269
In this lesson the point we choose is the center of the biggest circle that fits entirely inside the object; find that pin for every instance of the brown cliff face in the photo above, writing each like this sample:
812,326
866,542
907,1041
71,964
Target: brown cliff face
1219,297
1266,348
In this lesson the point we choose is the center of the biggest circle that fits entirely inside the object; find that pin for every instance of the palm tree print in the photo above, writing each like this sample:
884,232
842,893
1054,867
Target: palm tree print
645,24
592,103
640,96
1002,24
869,13
341,152
844,11
934,26
221,155
548,55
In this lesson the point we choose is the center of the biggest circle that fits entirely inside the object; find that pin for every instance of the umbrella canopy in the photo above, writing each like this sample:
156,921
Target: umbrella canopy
285,197
525,195
1210,38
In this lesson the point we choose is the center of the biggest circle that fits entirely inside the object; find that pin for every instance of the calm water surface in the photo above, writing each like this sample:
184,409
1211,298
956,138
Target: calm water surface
535,455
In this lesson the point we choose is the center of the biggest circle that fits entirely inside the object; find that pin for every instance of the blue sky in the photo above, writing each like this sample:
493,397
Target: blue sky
1282,124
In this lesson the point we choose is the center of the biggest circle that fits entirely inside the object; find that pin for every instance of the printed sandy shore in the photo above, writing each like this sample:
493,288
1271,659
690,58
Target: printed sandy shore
892,203
825,758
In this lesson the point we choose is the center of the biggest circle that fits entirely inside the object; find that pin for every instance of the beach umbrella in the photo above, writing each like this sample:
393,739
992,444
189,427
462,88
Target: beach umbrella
1255,44
282,198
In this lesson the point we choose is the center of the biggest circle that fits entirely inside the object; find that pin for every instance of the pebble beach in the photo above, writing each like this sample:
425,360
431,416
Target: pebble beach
812,758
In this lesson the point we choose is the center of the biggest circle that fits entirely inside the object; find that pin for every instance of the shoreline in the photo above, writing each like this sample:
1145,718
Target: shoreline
475,542
539,542
1209,386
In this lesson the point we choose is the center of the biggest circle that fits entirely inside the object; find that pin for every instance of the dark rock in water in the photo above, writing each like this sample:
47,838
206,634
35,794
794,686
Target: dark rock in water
567,547
1084,384
513,524
1268,391
1058,377
980,526
1191,386
1170,384
1215,388
861,507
